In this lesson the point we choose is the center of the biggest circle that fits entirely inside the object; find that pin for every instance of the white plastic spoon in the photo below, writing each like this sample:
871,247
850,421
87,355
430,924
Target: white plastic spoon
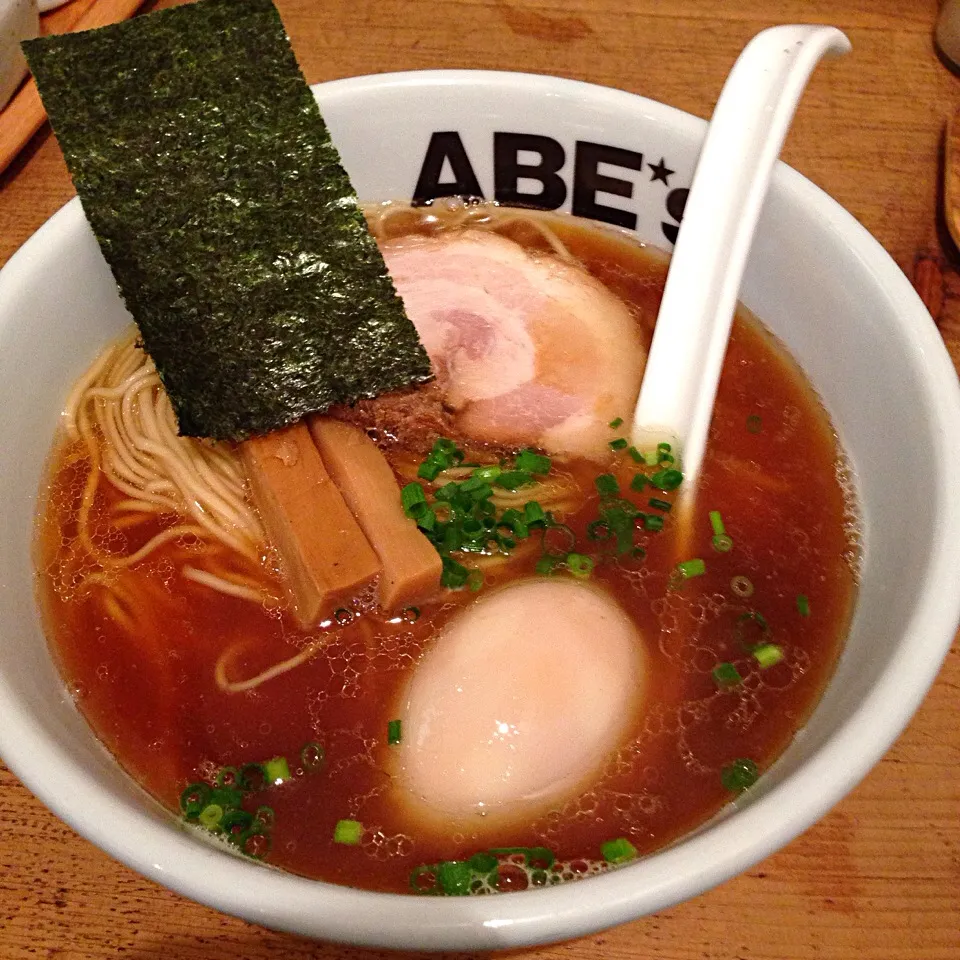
749,124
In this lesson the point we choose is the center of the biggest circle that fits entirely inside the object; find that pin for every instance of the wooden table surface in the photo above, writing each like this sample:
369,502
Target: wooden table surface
879,877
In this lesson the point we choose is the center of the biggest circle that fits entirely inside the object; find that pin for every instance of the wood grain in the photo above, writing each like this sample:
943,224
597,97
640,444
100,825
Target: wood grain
879,877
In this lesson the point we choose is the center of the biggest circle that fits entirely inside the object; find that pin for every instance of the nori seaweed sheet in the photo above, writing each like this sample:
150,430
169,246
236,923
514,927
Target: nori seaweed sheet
218,199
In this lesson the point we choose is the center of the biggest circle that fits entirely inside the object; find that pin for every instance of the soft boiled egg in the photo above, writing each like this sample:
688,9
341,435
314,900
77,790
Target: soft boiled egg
518,704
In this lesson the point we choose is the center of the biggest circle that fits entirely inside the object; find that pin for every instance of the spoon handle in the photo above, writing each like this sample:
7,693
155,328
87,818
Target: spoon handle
744,138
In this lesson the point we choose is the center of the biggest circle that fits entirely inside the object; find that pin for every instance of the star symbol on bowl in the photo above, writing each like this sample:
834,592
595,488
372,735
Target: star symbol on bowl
661,172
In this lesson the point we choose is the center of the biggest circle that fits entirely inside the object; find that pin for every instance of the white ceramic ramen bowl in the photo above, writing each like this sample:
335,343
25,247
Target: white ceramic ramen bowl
816,277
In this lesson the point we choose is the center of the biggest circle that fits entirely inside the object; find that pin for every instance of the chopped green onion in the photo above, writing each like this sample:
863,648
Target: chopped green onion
625,506
444,455
475,578
532,856
450,540
619,444
255,844
803,605
653,521
263,819
726,675
691,568
533,513
618,851
235,824
194,799
512,479
663,453
472,545
557,539
210,816
512,520
607,485
716,523
348,832
462,877
580,565
411,614
454,877
461,517
758,618
487,473
754,424
742,586
227,777
638,482
477,487
448,493
539,857
393,732
530,461
425,517
599,531
423,879
252,777
751,616
635,455
473,528
650,458
616,423
739,775
617,521
277,770
658,504
767,655
410,496
429,469
722,543
483,862
546,564
226,797
668,479
454,574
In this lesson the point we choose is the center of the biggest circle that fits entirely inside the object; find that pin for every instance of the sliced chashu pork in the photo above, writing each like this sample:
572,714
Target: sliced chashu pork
527,349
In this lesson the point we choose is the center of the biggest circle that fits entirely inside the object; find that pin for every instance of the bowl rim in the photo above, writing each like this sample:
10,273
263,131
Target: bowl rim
323,910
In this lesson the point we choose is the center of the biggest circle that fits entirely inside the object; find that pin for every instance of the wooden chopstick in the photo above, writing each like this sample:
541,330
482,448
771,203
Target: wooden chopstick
24,115
64,19
951,177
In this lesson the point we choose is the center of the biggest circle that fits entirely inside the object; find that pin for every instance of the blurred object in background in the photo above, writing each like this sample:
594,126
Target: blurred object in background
19,20
23,115
948,31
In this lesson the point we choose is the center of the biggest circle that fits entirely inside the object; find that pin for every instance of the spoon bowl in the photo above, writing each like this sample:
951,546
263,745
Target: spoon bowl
720,218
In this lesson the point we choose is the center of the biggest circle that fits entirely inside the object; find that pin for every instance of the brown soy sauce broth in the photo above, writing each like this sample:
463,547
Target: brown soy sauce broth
147,682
